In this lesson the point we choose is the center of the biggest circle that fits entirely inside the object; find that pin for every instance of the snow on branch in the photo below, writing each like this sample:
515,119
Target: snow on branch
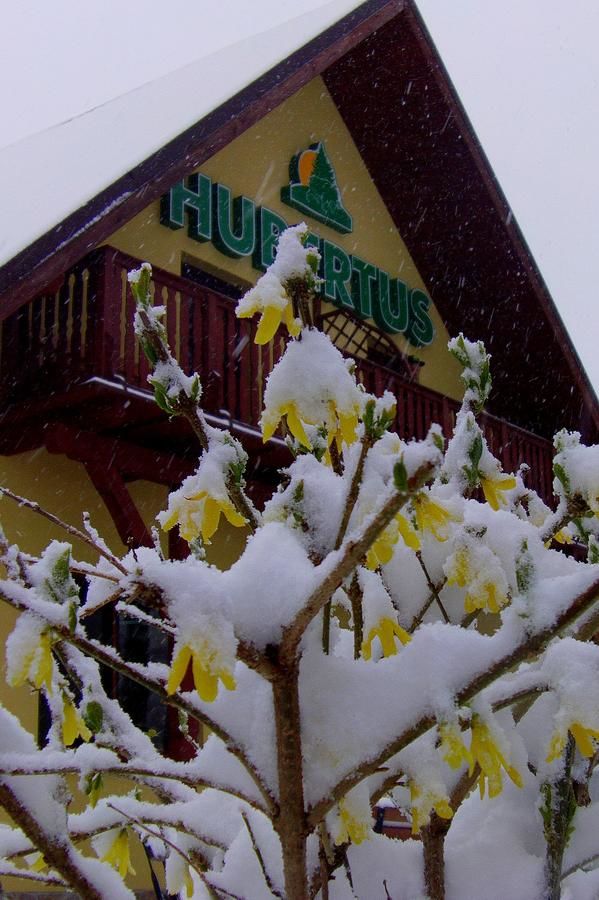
407,626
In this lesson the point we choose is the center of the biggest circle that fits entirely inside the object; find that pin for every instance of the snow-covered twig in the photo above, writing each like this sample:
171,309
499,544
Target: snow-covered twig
528,648
259,857
347,558
70,529
160,837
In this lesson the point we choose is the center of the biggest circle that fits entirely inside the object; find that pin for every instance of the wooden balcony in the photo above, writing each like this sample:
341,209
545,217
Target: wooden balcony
70,358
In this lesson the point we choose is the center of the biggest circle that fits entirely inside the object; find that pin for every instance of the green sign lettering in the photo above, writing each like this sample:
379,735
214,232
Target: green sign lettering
421,330
269,226
233,223
238,229
336,268
193,200
363,279
391,307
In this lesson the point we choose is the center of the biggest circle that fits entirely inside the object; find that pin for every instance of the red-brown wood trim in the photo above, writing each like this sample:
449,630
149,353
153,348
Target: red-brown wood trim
29,271
133,461
101,458
109,483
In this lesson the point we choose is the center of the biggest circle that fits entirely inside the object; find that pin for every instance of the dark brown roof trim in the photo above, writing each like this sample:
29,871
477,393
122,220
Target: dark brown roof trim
43,261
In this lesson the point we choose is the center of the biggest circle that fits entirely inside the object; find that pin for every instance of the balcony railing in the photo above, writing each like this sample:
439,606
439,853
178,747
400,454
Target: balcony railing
82,328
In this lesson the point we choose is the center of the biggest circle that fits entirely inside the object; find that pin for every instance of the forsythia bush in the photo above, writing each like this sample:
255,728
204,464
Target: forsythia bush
402,628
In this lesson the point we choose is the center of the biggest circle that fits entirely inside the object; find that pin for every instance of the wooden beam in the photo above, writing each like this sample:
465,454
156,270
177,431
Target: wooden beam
112,489
133,461
106,462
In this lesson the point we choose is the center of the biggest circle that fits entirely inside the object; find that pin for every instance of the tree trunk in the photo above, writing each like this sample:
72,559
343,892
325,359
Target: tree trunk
291,822
558,812
433,850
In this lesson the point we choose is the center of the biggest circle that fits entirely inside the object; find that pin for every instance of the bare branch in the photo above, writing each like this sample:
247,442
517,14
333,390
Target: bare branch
431,599
133,772
355,598
135,613
576,506
70,529
91,572
354,489
107,601
580,865
432,587
191,412
7,871
59,853
260,858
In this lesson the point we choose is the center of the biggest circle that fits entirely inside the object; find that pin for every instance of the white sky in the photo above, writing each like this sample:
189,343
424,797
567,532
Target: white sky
527,72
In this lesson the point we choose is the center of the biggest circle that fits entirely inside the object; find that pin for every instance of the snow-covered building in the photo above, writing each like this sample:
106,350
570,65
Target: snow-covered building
359,133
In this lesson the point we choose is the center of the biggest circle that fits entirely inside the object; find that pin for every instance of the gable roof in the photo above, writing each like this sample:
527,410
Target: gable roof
87,153
121,155
390,87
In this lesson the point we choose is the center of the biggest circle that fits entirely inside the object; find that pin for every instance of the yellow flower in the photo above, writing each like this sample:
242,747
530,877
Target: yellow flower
185,882
342,425
271,318
483,592
386,631
37,666
352,828
493,488
37,863
73,725
200,514
487,754
118,854
557,746
488,597
432,516
454,751
188,881
581,734
562,537
295,425
423,801
381,551
178,876
206,674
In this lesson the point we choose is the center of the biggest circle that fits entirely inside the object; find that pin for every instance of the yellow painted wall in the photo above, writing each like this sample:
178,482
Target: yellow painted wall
256,165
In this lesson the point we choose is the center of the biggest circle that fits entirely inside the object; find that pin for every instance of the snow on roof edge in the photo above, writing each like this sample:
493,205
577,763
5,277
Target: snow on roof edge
34,206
